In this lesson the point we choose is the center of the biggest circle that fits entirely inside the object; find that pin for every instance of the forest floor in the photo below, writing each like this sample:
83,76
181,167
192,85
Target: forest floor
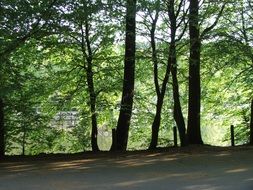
190,168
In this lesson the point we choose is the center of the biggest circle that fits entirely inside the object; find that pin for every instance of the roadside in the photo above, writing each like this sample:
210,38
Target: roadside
198,168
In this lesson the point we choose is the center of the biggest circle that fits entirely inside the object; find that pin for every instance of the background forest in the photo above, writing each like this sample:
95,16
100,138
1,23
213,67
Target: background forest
73,70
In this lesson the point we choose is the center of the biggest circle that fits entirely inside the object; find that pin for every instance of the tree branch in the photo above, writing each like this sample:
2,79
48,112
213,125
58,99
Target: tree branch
208,29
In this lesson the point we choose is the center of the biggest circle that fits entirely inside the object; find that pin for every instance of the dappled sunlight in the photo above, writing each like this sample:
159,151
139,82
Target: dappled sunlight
46,165
238,170
128,163
222,154
72,167
153,154
186,171
149,180
202,187
144,160
167,159
18,167
135,162
76,164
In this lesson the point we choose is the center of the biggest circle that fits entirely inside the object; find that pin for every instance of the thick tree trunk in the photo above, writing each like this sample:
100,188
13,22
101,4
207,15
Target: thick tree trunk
178,115
2,140
251,123
128,83
193,128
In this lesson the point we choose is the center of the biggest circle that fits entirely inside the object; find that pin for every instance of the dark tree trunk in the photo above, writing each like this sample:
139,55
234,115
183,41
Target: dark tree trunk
157,119
88,61
92,94
178,115
23,140
128,83
159,105
156,123
160,92
193,128
2,140
251,123
91,89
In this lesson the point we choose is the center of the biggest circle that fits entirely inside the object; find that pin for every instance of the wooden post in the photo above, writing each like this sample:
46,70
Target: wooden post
232,135
175,136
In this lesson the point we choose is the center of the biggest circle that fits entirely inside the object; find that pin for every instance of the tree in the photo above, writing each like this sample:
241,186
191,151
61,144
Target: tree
171,66
193,129
160,91
64,56
20,22
84,22
173,16
235,31
128,83
89,36
194,97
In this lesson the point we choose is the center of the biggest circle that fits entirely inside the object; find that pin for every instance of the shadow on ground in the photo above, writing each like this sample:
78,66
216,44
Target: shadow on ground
159,170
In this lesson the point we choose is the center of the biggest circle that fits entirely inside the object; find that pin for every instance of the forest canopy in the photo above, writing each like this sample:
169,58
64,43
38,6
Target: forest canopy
80,75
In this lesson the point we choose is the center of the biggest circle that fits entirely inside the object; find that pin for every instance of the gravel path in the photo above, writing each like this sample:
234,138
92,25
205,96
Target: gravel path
225,170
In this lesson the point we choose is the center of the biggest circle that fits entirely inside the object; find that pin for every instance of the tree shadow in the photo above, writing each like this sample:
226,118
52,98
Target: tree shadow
207,171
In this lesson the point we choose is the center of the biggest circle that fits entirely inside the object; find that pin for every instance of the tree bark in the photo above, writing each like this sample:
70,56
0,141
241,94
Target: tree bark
94,131
91,89
156,123
251,123
2,140
161,91
23,140
159,105
157,119
128,83
193,129
178,115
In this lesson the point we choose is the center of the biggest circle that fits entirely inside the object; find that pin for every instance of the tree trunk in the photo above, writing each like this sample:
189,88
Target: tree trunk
2,140
128,83
91,90
157,119
23,140
88,61
160,92
156,123
193,129
159,105
94,131
178,115
251,123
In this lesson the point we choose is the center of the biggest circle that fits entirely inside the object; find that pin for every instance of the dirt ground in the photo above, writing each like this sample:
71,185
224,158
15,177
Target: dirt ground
196,169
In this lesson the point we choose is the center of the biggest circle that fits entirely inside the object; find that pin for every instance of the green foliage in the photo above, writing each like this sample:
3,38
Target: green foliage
43,62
